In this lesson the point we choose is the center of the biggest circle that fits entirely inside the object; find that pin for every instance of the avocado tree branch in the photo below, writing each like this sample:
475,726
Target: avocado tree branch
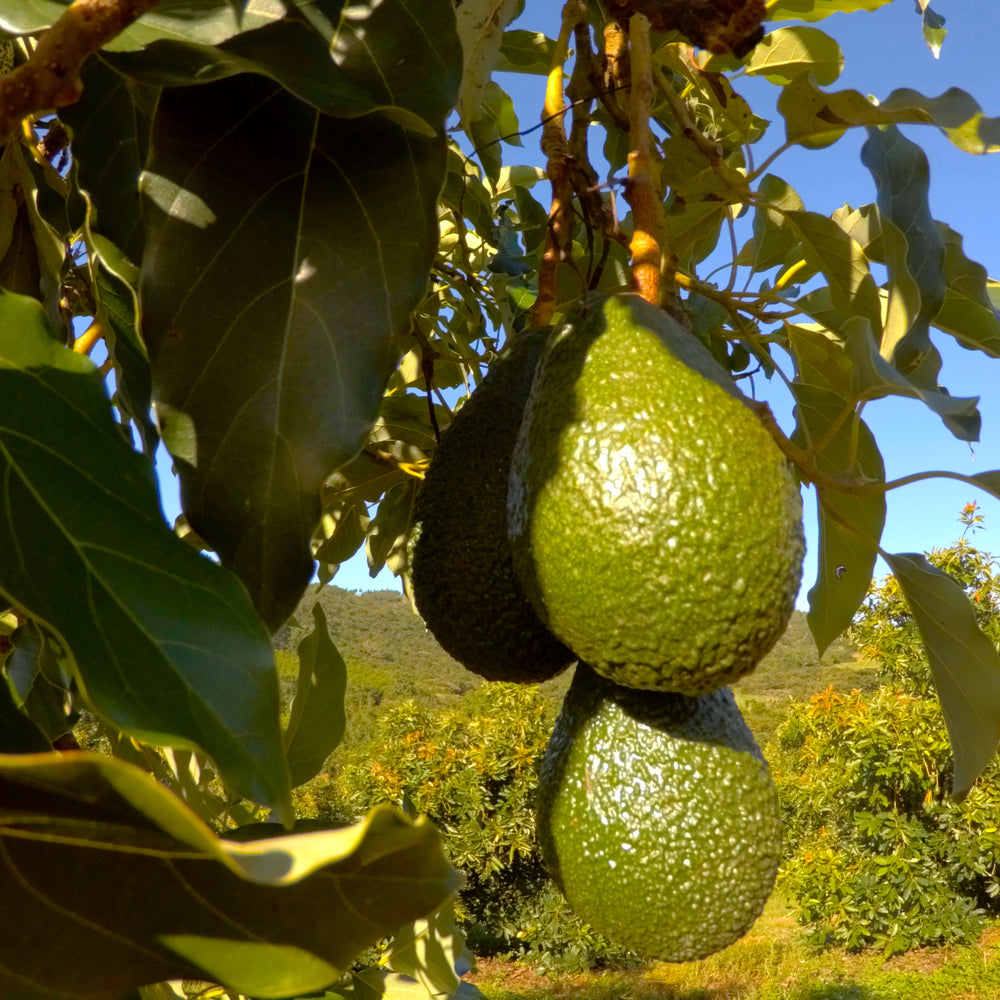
51,77
559,236
641,189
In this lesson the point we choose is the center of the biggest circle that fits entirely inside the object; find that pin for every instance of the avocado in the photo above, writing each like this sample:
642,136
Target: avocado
657,817
655,524
461,569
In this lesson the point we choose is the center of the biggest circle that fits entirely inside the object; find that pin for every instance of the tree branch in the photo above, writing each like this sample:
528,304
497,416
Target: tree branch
51,77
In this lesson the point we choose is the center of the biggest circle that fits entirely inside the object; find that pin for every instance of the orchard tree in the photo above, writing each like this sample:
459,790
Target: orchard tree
256,216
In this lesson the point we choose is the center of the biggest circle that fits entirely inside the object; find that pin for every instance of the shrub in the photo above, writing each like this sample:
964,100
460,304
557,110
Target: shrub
473,771
877,853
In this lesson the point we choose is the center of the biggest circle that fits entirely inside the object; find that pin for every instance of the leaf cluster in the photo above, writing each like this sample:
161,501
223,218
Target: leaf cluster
878,854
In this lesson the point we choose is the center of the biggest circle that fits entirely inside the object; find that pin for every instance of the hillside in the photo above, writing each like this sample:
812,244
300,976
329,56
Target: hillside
386,645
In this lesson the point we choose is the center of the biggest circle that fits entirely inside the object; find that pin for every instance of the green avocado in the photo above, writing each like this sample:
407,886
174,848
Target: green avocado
657,817
656,526
461,568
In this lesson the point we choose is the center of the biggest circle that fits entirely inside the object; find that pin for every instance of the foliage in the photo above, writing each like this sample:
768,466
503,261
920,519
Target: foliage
473,770
878,853
885,631
248,229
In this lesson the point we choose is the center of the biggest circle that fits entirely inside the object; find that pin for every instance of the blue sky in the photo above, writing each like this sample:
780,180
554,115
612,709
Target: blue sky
883,50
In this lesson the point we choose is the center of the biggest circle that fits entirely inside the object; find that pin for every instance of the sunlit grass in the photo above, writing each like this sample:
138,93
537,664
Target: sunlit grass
772,962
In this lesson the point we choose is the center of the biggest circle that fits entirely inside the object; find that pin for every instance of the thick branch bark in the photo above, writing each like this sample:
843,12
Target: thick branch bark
51,77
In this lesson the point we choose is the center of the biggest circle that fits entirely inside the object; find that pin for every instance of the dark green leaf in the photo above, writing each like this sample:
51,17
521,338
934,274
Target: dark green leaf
34,251
912,244
317,721
18,734
963,661
389,528
164,643
285,252
782,54
114,282
37,680
98,856
874,377
815,119
110,127
346,61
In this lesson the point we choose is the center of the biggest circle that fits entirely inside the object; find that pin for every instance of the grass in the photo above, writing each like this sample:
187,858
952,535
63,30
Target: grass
772,962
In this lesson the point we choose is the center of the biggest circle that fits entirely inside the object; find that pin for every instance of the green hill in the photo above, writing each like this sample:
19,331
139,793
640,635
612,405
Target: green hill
390,655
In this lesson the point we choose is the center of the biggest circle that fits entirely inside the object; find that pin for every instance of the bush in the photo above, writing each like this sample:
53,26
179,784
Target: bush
877,854
473,771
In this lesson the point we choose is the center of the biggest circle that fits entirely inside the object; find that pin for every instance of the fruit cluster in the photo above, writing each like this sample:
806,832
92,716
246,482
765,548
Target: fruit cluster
608,497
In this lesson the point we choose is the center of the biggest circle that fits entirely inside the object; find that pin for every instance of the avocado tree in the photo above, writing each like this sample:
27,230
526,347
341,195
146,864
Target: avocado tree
246,229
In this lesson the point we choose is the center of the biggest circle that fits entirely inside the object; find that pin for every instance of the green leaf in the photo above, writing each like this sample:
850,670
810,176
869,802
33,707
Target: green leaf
110,127
784,53
317,721
963,661
272,296
827,248
390,527
164,643
207,21
913,247
525,52
371,67
772,239
98,856
36,680
815,10
873,377
18,734
932,26
34,252
967,312
824,397
815,119
496,120
481,25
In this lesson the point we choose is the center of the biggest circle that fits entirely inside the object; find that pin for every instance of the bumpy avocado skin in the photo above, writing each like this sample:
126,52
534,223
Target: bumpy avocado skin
658,818
463,579
656,526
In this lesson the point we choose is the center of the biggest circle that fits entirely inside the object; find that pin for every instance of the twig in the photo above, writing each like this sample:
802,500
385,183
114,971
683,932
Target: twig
51,77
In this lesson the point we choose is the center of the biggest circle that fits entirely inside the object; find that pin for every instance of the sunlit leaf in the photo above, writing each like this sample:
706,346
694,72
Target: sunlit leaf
967,312
317,721
165,644
816,119
815,10
784,53
827,248
481,25
934,31
772,239
963,661
97,855
525,52
285,252
496,121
